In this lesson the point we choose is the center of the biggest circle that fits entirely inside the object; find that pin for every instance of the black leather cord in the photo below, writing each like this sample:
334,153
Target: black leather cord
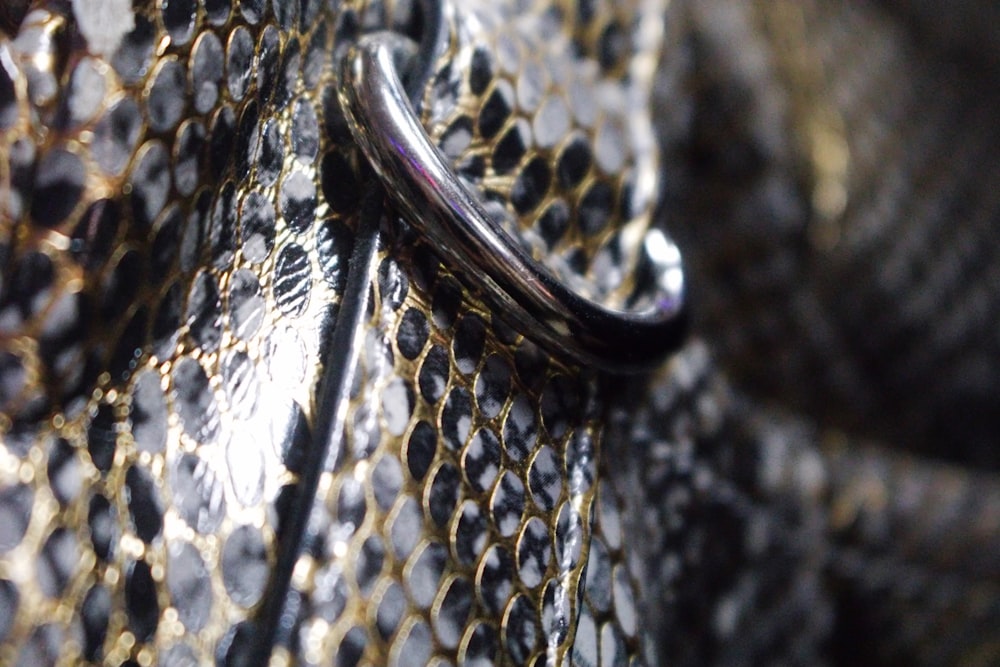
277,620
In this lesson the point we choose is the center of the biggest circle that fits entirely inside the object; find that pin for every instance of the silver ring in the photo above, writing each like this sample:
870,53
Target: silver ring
425,188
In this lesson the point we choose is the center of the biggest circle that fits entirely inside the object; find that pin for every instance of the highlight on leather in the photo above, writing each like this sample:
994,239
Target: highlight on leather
252,414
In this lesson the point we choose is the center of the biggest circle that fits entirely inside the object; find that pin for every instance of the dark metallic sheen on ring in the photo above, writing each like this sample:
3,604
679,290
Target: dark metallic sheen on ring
420,181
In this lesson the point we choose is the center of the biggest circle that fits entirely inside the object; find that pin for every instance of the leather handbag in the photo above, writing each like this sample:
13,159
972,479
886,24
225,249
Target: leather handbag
354,332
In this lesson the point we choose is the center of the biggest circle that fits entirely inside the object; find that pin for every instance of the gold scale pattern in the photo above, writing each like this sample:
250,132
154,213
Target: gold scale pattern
142,461
454,521
497,585
554,143
177,217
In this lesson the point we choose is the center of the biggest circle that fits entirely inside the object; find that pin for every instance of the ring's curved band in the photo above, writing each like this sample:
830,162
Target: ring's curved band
440,206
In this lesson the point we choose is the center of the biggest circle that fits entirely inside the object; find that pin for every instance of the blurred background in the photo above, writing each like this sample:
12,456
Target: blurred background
832,175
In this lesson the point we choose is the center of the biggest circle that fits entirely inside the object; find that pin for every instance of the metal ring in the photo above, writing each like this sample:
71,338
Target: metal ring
432,198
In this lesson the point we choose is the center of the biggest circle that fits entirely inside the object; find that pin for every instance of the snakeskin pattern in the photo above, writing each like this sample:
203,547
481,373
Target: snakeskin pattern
872,317
570,175
914,559
869,314
498,446
177,250
174,258
184,236
454,517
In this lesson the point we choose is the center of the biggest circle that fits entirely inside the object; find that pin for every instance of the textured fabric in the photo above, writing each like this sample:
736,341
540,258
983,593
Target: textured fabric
877,319
199,274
